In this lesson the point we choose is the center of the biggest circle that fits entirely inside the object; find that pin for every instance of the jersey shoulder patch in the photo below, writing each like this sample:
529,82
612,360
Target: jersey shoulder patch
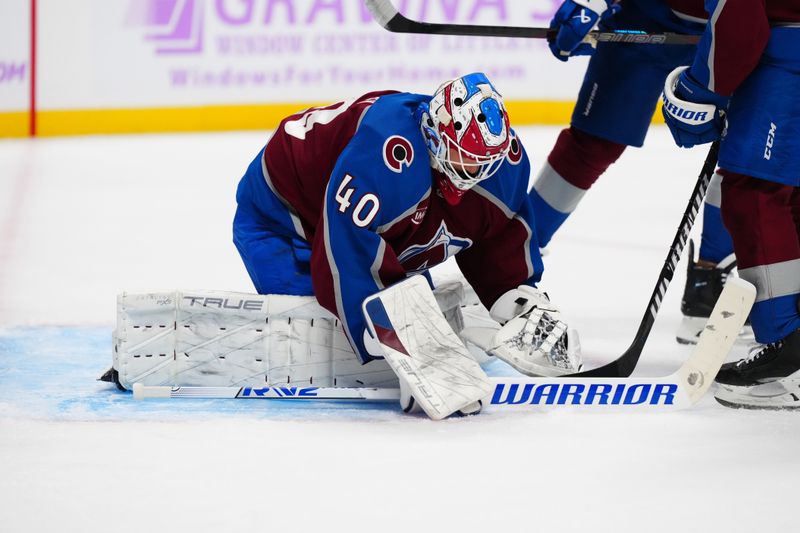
398,152
387,155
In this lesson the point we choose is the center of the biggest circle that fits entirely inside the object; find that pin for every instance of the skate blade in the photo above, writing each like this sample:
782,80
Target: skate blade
777,395
691,327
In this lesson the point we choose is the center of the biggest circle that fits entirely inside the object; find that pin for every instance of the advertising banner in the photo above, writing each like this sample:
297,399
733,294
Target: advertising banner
237,58
15,68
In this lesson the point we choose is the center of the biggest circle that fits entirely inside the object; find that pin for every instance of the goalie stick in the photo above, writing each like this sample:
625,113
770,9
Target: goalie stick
679,390
385,14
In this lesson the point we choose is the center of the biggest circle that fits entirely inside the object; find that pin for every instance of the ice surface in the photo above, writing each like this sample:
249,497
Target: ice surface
83,218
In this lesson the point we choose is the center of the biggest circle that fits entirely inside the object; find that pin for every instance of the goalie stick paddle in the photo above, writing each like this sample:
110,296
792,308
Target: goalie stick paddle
679,390
385,14
624,365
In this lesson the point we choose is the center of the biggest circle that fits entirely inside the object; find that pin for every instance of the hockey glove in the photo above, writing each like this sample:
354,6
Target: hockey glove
534,339
574,20
694,114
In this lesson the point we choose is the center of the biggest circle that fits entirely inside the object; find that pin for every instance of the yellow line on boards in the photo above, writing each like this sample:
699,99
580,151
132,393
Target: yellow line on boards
225,118
14,124
166,119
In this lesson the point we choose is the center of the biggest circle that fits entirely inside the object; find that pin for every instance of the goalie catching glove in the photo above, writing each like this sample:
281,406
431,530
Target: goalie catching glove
534,340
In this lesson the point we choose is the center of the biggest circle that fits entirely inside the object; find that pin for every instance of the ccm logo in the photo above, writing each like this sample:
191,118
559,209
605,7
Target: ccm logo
770,140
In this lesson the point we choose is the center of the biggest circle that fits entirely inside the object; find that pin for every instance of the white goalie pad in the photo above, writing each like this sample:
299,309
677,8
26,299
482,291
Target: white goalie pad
422,348
215,338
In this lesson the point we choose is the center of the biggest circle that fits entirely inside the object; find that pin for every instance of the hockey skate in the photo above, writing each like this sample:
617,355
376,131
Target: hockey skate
703,287
769,378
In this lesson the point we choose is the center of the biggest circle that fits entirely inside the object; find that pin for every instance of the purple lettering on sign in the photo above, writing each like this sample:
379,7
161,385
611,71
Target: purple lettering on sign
452,10
463,11
180,26
258,45
449,7
10,72
499,6
286,5
546,14
334,6
338,75
176,26
234,20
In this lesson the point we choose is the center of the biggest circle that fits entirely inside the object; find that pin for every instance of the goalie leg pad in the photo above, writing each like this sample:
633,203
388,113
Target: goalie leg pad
215,338
212,338
423,350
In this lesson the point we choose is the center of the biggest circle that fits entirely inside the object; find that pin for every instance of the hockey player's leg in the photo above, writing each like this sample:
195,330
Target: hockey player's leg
760,204
716,245
584,150
575,163
618,96
276,262
706,276
769,378
762,219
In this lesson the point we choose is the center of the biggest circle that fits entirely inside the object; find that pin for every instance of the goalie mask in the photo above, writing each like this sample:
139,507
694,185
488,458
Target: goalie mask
466,129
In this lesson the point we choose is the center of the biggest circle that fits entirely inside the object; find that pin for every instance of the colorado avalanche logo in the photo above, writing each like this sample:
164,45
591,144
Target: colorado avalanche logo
423,256
397,151
514,151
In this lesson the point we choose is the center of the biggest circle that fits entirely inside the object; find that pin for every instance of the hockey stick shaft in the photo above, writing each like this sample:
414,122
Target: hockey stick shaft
384,12
625,364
